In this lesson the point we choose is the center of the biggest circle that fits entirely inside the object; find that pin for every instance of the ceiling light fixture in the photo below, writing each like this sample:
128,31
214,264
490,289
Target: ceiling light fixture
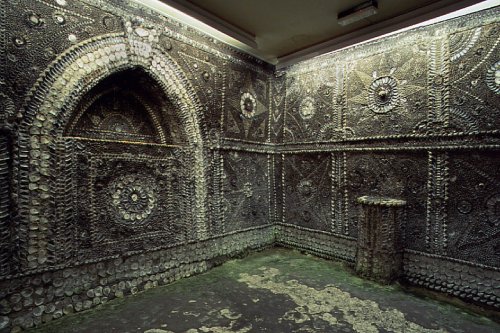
358,13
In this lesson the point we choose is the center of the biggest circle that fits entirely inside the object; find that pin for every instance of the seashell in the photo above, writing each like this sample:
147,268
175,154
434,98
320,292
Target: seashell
38,300
58,282
59,292
67,273
78,306
68,308
50,308
4,322
68,291
87,304
17,307
38,311
5,307
15,298
27,302
72,38
27,322
90,293
57,314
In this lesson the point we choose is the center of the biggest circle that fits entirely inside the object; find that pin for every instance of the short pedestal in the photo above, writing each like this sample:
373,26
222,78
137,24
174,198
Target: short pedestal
379,249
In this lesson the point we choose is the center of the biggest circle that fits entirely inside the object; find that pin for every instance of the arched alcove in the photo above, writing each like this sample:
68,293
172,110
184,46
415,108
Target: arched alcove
127,106
64,157
132,166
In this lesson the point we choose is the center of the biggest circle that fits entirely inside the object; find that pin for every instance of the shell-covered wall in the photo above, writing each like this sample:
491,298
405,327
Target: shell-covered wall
135,151
413,116
120,158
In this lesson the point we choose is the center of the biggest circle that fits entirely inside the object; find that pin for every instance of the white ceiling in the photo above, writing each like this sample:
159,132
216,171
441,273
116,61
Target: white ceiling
283,32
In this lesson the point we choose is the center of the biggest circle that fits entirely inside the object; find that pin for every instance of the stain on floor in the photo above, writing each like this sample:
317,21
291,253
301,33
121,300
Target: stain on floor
276,290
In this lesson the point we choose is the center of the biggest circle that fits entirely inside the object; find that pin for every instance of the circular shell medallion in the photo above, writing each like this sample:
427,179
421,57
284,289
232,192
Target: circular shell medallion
383,94
307,108
248,105
132,198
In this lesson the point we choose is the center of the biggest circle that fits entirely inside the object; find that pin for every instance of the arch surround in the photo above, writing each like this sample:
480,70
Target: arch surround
51,103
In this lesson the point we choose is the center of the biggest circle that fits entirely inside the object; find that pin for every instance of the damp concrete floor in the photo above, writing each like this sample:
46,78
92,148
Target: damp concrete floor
276,290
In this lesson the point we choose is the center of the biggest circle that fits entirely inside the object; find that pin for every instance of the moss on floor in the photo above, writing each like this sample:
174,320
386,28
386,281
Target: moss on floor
276,290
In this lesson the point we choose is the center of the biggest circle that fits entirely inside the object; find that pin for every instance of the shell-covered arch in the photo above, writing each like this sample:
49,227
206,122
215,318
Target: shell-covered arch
51,103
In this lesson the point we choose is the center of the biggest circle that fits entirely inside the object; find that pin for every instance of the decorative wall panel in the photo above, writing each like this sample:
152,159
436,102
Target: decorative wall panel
323,244
307,191
206,73
279,183
246,191
474,71
312,112
386,92
473,210
246,106
469,281
37,299
438,118
134,202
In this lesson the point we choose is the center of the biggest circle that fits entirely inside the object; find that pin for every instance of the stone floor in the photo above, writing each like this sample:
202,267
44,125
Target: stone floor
274,291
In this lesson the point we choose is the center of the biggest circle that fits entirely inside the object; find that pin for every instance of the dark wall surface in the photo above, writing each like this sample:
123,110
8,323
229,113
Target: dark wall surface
413,116
135,151
119,157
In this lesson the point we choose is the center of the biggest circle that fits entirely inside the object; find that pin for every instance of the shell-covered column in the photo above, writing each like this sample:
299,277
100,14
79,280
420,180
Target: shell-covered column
379,248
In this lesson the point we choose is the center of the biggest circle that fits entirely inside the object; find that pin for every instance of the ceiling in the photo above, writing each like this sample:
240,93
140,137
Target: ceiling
286,31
